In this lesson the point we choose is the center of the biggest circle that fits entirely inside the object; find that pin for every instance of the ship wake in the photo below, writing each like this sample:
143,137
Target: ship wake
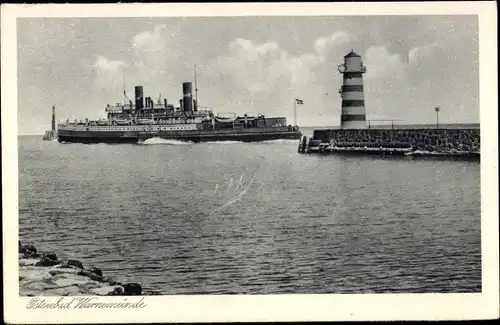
281,141
155,141
224,142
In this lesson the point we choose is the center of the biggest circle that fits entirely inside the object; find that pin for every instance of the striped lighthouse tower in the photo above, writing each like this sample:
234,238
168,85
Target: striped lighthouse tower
353,99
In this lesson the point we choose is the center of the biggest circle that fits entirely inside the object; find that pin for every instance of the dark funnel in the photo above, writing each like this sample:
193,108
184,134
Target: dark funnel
187,95
139,97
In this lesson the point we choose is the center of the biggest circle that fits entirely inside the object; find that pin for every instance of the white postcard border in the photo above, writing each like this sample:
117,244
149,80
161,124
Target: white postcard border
262,307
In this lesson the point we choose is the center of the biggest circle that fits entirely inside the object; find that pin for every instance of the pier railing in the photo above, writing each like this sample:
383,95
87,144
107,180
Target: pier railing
397,124
372,123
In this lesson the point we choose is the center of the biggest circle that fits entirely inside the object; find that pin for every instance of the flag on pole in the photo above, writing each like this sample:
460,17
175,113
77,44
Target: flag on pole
299,101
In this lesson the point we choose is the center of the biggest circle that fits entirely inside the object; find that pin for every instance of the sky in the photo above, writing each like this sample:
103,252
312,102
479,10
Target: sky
250,65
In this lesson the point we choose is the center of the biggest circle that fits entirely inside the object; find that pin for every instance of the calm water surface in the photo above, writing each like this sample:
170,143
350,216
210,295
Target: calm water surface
253,218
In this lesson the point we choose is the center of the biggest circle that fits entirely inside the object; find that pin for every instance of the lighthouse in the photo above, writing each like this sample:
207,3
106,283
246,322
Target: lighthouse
353,114
50,135
53,119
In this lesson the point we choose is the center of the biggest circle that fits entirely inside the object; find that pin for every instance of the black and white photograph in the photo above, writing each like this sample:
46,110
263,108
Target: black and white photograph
167,152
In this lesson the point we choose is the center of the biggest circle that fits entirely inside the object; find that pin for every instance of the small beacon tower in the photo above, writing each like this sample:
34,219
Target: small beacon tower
353,114
50,135
53,119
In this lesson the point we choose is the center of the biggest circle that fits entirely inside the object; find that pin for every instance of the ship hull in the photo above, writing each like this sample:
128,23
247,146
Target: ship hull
128,137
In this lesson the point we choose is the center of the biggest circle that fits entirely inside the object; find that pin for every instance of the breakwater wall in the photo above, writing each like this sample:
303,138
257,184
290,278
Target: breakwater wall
430,140
43,274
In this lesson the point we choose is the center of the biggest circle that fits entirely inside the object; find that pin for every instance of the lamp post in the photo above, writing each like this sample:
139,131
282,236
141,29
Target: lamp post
437,116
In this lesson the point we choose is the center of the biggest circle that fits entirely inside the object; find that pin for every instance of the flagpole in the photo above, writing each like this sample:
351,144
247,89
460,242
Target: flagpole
295,110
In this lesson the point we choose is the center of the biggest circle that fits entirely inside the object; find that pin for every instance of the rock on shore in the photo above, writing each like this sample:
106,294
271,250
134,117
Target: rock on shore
43,274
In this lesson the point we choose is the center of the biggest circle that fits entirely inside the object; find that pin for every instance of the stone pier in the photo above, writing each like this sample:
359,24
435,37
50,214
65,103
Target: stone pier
426,140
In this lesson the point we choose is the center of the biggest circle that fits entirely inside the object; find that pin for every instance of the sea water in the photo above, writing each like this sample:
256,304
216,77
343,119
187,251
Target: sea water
253,218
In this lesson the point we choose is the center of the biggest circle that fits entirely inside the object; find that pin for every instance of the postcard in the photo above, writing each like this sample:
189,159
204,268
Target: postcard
232,162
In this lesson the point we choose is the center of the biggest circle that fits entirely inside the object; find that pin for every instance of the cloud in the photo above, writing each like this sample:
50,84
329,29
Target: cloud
383,64
103,65
324,43
147,38
257,66
301,68
151,50
151,57
109,78
264,68
421,53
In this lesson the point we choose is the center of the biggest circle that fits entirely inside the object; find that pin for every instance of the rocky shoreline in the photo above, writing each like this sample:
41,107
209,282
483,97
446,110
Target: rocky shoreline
43,274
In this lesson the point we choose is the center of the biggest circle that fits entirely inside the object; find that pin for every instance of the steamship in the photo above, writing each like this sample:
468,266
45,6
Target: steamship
145,119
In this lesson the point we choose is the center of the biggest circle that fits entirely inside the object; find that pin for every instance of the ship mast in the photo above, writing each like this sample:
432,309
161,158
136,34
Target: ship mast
195,87
124,89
